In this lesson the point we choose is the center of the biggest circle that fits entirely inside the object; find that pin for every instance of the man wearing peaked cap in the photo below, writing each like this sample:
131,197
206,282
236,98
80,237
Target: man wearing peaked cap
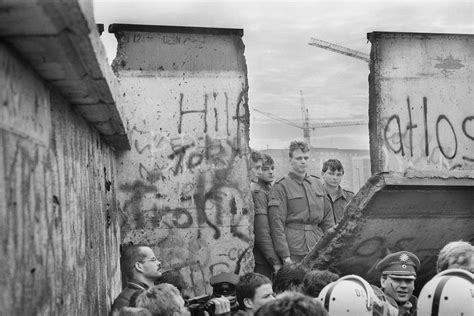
398,279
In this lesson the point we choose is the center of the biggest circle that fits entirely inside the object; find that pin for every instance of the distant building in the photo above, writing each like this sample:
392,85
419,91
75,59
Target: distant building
356,164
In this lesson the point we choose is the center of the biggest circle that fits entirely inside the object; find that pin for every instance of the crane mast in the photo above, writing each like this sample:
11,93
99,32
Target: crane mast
339,49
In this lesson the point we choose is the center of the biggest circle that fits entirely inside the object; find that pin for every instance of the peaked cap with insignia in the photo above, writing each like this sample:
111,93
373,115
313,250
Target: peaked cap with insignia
402,264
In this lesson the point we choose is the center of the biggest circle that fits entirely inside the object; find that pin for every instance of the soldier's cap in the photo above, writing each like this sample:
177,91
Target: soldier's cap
402,264
222,277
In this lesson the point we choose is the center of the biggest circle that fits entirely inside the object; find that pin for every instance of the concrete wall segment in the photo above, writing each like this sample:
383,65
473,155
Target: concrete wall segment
58,209
184,187
59,39
421,112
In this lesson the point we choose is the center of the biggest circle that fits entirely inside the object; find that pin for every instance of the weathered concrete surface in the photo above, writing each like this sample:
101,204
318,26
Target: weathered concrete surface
184,186
58,212
59,39
392,213
421,103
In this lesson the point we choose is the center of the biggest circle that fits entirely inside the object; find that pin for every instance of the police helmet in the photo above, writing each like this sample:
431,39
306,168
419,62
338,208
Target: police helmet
352,295
450,292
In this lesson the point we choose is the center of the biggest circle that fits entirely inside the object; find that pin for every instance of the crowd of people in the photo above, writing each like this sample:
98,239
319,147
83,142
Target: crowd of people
291,215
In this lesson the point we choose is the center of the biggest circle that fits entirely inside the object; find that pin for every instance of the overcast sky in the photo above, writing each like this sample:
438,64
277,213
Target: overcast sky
281,63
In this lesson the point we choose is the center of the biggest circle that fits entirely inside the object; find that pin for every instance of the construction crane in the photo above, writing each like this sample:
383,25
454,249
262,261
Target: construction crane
307,126
339,49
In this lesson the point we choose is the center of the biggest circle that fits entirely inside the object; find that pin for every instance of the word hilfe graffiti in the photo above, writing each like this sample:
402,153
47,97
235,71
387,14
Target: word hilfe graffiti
397,136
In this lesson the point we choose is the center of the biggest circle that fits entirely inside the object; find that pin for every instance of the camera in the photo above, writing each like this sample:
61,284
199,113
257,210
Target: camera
222,284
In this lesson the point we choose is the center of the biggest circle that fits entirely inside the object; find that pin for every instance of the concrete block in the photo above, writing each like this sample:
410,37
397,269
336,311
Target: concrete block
421,111
184,186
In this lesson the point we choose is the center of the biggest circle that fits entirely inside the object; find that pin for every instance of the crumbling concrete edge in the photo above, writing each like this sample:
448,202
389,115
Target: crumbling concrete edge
326,251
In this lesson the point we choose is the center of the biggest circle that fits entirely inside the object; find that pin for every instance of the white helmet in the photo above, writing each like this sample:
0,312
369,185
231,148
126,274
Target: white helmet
352,295
450,292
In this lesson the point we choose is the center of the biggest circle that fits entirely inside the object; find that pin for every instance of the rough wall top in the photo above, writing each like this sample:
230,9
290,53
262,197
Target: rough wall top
59,39
113,28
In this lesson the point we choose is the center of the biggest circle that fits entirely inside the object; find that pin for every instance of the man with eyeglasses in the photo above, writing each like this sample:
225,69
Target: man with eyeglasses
332,173
141,267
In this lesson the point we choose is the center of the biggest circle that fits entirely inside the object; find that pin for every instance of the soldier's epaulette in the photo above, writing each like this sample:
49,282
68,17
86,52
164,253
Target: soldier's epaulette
279,180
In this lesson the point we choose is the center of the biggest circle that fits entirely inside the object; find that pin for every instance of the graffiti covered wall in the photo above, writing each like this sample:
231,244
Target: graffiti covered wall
184,186
58,210
421,102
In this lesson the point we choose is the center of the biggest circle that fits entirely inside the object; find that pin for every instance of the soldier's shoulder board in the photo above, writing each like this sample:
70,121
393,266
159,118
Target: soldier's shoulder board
279,180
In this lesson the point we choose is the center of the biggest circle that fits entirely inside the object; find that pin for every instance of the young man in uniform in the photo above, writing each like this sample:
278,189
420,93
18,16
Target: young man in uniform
142,269
398,280
266,259
299,211
332,173
256,162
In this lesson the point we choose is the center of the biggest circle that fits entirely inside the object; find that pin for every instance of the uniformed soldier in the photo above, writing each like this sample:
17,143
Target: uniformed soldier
299,211
266,260
398,279
332,173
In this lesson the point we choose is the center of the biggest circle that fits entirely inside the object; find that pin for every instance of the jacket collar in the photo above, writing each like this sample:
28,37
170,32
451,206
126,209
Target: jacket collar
297,177
137,284
265,185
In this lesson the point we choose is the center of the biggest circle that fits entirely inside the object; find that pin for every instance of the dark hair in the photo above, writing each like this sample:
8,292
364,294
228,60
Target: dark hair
255,156
268,160
288,277
333,165
174,278
295,145
292,304
247,285
316,280
129,254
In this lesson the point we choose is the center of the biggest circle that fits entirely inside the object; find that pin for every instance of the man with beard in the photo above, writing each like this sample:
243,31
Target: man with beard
398,280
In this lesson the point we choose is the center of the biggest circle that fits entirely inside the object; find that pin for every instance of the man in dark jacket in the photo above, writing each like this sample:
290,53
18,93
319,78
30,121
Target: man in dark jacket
299,210
332,173
266,259
141,267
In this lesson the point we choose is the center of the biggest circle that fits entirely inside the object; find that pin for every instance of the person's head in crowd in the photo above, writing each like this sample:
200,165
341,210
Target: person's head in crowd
316,280
162,300
299,157
256,162
289,278
134,311
398,276
332,173
450,292
352,295
253,290
456,255
292,304
174,278
140,263
268,167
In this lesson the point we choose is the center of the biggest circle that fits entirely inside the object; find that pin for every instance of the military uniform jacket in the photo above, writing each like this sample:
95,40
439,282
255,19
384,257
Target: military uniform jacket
339,203
299,212
263,248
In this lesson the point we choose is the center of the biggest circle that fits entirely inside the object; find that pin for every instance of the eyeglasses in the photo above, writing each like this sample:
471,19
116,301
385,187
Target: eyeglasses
154,259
